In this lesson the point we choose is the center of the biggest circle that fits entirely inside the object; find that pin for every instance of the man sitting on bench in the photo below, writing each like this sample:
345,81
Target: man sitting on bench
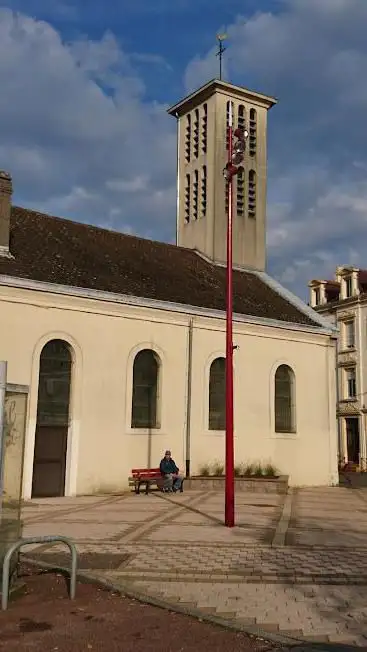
170,473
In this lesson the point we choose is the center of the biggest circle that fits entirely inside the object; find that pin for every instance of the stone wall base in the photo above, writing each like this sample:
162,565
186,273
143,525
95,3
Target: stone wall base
277,485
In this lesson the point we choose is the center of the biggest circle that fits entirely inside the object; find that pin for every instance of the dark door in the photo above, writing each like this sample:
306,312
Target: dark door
52,420
352,426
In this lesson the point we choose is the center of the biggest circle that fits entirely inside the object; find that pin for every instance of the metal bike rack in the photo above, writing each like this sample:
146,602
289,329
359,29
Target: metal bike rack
28,541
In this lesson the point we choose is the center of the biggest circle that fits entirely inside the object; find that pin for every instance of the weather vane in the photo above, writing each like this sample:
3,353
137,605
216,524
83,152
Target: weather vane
222,49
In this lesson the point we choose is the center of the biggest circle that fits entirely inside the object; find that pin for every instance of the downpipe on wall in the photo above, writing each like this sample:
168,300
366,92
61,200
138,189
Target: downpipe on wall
188,396
3,376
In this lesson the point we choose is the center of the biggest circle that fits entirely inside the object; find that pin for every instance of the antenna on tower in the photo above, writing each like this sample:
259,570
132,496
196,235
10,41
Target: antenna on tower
222,49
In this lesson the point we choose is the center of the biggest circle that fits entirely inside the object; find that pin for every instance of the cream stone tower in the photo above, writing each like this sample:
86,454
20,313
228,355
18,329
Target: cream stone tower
201,188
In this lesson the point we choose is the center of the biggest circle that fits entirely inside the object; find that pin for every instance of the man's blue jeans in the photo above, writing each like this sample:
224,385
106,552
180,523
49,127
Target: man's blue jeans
177,483
171,482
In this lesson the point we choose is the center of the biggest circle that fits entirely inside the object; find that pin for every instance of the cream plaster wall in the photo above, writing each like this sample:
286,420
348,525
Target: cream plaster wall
105,336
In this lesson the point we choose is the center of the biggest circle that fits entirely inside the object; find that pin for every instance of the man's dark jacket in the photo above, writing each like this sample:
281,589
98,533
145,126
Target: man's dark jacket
168,466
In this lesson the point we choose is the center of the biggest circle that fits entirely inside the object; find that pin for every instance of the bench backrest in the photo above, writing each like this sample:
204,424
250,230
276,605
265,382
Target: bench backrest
145,473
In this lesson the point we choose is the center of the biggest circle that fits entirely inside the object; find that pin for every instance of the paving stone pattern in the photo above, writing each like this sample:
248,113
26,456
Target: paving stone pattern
176,548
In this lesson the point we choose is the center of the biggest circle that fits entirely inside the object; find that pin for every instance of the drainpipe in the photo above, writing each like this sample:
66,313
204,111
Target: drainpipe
3,374
341,450
362,442
188,394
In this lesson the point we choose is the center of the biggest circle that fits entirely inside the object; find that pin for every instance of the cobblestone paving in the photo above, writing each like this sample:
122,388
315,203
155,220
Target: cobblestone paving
313,587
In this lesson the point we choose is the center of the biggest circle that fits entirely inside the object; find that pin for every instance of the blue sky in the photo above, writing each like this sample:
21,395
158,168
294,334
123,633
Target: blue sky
85,134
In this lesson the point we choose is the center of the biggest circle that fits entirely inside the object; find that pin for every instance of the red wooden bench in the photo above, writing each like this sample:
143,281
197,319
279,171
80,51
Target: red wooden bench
147,477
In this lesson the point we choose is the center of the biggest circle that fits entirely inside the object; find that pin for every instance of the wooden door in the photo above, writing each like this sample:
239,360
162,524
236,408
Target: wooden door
52,420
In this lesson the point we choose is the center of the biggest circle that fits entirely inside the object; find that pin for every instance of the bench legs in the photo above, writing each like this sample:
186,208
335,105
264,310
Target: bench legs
148,483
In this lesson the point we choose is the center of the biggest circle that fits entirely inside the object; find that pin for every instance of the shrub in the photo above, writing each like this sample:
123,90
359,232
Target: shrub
238,470
204,470
258,471
217,469
270,470
247,469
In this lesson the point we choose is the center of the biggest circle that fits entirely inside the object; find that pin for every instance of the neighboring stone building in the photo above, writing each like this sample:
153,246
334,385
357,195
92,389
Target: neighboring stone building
121,340
344,301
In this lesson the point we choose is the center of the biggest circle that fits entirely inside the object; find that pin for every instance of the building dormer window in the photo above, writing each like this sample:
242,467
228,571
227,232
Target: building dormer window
316,297
348,286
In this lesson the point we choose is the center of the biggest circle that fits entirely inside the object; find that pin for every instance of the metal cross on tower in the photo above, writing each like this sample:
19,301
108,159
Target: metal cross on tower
222,49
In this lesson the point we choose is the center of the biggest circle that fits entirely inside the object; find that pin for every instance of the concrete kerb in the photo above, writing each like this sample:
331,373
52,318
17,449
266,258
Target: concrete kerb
285,517
125,589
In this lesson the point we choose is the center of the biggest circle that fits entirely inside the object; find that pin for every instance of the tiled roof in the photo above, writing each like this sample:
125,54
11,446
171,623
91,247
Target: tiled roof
55,250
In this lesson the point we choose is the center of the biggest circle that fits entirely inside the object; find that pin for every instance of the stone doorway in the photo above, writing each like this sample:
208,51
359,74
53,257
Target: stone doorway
353,443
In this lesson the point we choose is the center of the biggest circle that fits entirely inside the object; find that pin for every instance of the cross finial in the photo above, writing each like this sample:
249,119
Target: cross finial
222,49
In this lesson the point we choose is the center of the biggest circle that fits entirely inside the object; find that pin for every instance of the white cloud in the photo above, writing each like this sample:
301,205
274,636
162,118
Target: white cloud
137,184
312,55
74,123
81,140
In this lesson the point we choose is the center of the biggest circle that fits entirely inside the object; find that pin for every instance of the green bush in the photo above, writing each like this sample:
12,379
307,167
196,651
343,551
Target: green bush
241,470
204,470
217,469
270,470
258,470
247,469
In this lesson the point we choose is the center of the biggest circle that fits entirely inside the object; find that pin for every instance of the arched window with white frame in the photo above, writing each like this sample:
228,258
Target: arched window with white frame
284,400
145,395
217,394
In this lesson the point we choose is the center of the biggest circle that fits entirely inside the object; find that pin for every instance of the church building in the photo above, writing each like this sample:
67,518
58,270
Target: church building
120,341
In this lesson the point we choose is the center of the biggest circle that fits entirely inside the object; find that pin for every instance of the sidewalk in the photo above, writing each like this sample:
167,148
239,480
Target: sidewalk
296,564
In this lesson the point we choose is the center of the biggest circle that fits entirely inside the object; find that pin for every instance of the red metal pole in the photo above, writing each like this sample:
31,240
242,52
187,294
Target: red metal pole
229,489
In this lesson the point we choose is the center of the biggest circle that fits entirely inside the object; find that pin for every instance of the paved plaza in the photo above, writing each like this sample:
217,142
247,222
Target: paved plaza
295,564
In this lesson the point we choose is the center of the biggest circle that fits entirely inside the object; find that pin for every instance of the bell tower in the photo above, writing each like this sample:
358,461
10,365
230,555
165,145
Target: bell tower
202,120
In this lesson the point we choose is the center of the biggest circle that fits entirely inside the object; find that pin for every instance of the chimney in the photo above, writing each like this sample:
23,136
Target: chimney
6,190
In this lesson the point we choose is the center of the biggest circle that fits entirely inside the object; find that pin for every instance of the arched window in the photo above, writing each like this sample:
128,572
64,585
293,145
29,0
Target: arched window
252,132
229,110
196,195
187,199
284,399
188,139
217,394
145,390
203,190
240,192
251,194
241,117
196,132
204,129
